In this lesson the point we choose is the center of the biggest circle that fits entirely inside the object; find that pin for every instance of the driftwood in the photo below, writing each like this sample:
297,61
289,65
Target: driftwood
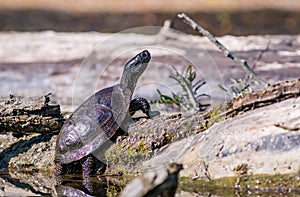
157,132
21,115
249,101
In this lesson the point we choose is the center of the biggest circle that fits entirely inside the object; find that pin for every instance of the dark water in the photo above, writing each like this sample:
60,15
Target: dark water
43,184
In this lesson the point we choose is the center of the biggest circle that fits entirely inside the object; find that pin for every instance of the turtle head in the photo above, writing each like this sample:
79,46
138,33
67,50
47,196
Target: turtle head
134,68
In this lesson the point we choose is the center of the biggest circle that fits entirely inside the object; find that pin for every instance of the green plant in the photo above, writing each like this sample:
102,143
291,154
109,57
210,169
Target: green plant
239,86
188,98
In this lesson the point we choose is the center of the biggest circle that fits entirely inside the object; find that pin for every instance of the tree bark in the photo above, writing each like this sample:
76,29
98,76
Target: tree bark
159,131
21,115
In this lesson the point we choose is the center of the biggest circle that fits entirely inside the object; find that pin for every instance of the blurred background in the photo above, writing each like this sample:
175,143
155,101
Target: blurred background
48,62
221,17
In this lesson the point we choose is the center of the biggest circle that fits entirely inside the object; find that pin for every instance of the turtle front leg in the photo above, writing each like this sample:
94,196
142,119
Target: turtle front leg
136,105
143,105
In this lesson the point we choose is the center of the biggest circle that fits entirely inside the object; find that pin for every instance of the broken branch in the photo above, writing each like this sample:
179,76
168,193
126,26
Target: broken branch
225,51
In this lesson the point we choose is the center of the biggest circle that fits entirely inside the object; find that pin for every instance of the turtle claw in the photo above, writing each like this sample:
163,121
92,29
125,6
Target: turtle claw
143,105
153,114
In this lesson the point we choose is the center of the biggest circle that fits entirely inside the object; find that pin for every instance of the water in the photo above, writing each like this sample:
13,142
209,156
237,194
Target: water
43,184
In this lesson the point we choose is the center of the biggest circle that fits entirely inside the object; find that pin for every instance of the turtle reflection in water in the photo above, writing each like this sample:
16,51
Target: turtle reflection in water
162,182
97,120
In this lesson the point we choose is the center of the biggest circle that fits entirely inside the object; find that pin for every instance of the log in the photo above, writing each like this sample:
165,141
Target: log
21,115
149,135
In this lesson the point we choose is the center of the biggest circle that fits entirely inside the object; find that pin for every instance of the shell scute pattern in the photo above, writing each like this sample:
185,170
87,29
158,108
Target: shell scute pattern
104,117
93,123
103,97
71,140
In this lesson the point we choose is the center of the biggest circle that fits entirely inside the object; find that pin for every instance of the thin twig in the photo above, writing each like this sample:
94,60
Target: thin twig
225,51
259,57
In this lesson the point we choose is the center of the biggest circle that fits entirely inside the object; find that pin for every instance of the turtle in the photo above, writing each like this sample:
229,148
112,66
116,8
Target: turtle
97,120
161,182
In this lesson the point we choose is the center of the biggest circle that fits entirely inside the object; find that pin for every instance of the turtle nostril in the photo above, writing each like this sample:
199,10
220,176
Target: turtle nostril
145,55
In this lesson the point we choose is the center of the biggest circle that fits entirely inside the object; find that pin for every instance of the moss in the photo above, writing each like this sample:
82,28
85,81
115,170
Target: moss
213,116
169,137
224,186
112,191
143,148
277,180
124,157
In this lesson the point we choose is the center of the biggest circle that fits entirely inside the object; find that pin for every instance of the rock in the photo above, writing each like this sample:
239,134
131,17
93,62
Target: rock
160,182
165,138
255,138
10,189
34,154
30,153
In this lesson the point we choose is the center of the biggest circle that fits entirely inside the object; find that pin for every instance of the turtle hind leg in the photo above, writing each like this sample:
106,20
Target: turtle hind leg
91,166
58,172
87,164
143,105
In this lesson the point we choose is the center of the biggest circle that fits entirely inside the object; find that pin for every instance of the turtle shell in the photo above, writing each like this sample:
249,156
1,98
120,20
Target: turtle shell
94,122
